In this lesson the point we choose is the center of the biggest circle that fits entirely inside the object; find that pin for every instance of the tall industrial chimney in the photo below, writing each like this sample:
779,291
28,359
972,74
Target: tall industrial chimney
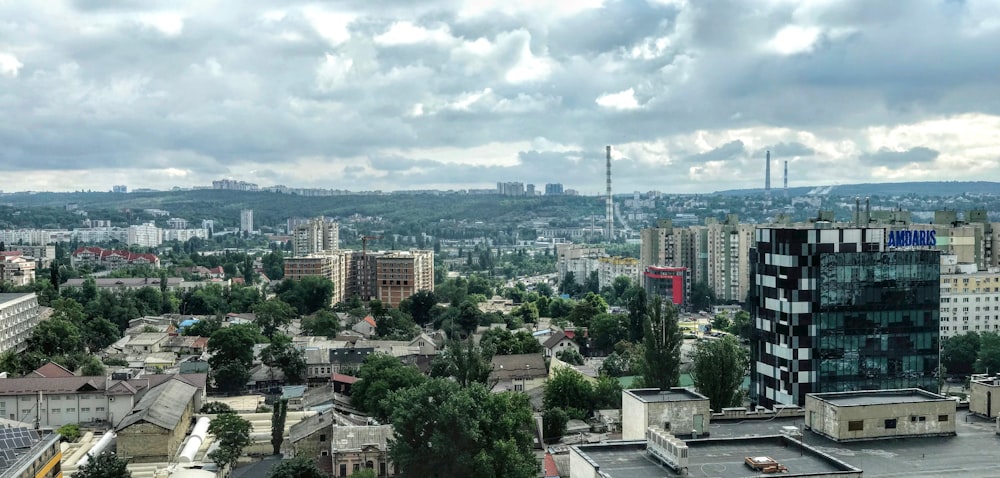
610,203
767,176
786,179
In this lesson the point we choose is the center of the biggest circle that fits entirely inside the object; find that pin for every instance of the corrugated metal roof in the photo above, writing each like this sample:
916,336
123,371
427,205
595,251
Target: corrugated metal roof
162,406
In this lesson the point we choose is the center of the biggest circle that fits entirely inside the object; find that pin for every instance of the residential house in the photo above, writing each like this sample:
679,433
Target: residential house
145,343
558,342
112,259
520,372
354,448
312,438
365,327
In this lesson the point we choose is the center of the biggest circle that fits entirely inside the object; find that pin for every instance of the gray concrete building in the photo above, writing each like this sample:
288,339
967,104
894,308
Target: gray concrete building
679,411
984,395
877,414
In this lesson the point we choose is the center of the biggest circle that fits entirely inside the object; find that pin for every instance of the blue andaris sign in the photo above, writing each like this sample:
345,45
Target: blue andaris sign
911,238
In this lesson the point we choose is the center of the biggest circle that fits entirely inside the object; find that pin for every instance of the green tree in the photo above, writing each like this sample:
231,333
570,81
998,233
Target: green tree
105,465
274,265
230,376
92,367
607,393
497,341
301,467
606,330
323,323
282,354
570,356
718,368
988,358
204,327
272,315
741,326
528,313
443,430
959,353
702,296
569,390
661,362
216,407
232,433
593,283
70,432
638,309
554,422
379,375
585,310
464,362
419,306
721,321
278,416
307,295
233,343
55,337
568,285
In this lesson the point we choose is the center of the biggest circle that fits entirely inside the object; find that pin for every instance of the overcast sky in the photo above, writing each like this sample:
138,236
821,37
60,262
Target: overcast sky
409,94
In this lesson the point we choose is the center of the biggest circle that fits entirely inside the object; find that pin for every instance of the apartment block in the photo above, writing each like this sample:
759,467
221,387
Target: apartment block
970,299
42,255
728,252
18,317
15,269
399,275
610,268
315,236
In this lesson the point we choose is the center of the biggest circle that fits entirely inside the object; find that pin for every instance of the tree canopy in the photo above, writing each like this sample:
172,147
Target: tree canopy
232,432
444,430
661,358
377,377
718,369
298,467
105,465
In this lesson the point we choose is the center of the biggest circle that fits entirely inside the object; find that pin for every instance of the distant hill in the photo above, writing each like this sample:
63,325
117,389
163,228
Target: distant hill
920,188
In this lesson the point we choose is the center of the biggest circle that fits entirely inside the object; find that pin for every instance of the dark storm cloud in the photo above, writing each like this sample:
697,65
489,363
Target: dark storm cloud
890,158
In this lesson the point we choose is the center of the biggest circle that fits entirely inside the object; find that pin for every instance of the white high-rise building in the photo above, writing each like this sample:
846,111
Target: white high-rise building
246,220
18,318
145,235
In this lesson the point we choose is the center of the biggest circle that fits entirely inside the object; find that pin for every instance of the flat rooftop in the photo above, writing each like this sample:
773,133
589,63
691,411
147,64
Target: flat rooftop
878,397
9,296
720,458
965,455
676,394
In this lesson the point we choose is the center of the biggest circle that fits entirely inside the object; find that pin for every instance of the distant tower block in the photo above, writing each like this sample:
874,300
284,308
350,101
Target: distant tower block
767,176
610,203
786,178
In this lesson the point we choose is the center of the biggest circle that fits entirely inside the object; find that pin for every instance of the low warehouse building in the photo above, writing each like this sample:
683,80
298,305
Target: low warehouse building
984,396
155,429
679,411
875,414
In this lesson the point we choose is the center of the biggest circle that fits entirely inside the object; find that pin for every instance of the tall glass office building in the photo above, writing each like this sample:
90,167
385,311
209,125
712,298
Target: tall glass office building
838,310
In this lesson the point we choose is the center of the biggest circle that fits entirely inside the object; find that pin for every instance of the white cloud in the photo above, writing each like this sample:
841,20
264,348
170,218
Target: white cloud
168,23
331,25
332,71
622,100
9,65
406,33
794,39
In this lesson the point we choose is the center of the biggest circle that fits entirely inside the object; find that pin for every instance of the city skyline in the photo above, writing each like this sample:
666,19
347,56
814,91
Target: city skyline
452,95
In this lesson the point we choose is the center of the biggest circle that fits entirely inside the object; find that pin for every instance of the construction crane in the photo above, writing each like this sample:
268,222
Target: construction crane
364,265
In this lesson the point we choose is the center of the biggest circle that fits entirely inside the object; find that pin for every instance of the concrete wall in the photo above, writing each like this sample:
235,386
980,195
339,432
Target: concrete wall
637,415
580,467
911,419
984,398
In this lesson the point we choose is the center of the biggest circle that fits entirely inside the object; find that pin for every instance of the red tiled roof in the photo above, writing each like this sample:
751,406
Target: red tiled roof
52,369
550,466
570,334
370,320
125,255
339,377
11,253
